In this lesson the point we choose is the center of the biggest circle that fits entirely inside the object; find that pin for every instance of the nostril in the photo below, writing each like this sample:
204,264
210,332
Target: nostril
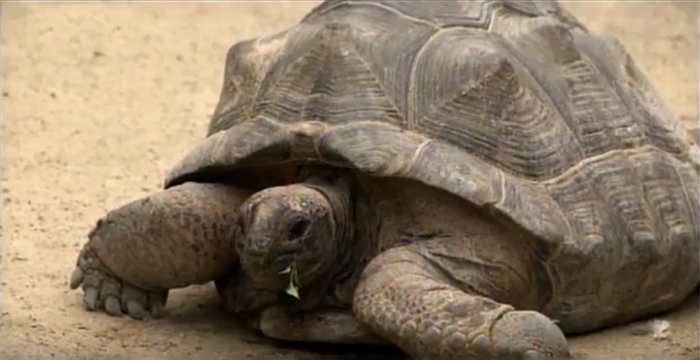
298,230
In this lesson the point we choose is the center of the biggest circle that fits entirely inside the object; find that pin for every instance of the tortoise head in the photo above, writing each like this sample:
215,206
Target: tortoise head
292,228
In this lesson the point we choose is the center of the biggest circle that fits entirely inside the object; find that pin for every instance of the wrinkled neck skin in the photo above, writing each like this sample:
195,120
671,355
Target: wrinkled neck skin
324,291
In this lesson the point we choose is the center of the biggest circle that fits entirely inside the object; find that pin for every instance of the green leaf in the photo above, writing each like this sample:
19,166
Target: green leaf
292,291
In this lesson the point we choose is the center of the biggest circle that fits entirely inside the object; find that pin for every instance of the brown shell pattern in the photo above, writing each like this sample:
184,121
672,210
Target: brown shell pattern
512,105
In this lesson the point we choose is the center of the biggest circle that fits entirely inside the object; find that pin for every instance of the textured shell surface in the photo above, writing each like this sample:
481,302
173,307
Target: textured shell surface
512,105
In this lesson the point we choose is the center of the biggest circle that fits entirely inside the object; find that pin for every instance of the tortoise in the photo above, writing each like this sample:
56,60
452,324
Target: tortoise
457,178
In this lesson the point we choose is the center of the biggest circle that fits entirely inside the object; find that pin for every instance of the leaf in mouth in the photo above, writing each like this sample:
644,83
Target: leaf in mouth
292,290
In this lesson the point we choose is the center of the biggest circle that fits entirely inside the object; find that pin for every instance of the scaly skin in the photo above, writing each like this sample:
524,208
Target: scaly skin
174,238
302,227
445,297
410,301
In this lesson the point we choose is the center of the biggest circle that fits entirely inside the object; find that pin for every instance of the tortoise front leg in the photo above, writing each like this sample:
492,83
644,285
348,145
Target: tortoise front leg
172,239
420,297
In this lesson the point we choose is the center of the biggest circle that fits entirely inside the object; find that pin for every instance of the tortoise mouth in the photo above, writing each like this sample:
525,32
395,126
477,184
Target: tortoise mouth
262,271
271,260
271,263
273,271
283,262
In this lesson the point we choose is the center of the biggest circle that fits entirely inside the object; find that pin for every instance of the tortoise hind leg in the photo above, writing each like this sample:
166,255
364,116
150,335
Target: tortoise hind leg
175,238
432,307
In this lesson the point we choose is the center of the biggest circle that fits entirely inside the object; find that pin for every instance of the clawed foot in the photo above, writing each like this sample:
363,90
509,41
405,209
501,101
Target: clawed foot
104,291
528,335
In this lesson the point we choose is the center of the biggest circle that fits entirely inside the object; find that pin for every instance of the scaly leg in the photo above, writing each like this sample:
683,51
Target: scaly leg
431,301
174,238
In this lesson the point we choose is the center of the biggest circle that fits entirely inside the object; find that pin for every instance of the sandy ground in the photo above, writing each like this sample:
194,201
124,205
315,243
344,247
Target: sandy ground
99,100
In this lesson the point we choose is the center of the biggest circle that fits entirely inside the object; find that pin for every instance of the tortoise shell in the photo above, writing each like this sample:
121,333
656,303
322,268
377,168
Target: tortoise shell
511,105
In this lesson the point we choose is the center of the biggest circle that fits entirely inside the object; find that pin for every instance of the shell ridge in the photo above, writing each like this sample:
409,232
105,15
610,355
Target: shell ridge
501,42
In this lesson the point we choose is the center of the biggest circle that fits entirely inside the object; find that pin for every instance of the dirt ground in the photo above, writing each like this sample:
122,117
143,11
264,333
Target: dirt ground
100,99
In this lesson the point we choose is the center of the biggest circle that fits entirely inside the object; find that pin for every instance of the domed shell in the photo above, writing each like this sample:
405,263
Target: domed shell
511,105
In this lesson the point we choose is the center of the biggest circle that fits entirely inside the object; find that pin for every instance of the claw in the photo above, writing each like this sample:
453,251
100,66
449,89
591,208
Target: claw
112,306
102,290
76,278
134,301
90,298
136,310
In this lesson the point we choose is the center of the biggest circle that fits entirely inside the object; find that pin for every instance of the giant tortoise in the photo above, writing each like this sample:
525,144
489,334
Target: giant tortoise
458,178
